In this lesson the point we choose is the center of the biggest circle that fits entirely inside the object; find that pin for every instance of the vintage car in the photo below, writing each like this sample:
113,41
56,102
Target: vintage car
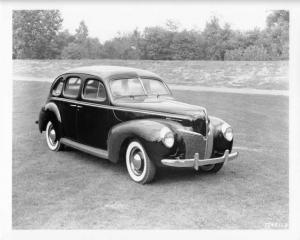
121,113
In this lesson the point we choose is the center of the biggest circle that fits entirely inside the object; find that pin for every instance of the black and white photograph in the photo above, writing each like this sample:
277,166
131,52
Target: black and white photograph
150,116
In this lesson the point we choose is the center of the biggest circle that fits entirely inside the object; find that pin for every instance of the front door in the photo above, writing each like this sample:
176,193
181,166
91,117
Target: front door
68,109
93,119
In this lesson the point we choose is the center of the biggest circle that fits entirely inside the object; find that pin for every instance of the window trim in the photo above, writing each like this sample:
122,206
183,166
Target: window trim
56,83
159,80
102,100
65,85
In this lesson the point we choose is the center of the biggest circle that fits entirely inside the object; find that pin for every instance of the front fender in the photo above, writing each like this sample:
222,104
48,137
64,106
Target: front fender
220,144
147,131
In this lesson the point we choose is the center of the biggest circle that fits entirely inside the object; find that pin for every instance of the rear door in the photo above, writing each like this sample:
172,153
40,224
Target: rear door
68,108
94,114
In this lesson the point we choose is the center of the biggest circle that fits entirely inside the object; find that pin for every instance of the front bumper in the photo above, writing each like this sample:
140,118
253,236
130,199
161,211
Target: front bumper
196,162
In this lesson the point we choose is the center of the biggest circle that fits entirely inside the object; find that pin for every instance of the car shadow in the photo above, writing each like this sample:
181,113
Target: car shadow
164,175
97,161
173,175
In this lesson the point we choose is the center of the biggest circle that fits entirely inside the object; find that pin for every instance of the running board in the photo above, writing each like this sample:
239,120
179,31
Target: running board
91,150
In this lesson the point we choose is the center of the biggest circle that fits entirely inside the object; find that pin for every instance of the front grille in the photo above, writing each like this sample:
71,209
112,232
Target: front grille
193,144
199,126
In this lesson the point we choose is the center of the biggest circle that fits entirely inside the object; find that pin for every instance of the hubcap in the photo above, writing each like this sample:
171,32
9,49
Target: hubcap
52,135
136,161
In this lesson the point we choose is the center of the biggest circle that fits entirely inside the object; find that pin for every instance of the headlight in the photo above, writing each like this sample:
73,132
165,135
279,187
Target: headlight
167,137
227,132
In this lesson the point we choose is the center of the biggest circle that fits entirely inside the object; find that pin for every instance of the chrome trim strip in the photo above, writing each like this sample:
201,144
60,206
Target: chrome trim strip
142,85
121,108
191,132
91,150
209,143
167,87
173,119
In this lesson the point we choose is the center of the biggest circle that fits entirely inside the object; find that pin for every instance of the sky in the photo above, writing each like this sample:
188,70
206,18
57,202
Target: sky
105,20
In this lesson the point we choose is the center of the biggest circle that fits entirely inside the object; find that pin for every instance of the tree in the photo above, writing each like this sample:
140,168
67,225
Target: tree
82,32
216,39
33,33
277,34
81,45
61,41
278,17
123,47
156,43
73,51
172,25
187,45
36,34
94,48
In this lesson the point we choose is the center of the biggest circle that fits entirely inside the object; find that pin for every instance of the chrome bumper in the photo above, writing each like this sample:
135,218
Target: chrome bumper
196,162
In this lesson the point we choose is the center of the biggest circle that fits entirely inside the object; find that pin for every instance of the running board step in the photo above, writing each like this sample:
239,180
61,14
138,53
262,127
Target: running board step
91,150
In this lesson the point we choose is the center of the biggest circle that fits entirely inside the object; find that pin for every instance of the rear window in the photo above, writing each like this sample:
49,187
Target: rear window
56,90
94,90
72,87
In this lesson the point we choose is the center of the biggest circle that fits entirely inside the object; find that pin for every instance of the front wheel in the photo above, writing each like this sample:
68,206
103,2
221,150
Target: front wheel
51,137
211,168
140,168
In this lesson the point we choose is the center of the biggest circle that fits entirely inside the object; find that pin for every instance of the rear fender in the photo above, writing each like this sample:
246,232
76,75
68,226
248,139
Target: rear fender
52,107
48,112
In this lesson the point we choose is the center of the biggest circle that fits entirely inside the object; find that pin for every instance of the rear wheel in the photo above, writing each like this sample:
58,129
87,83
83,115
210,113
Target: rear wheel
52,137
139,166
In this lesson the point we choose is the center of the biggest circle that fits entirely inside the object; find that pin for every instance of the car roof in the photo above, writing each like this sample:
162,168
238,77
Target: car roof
107,72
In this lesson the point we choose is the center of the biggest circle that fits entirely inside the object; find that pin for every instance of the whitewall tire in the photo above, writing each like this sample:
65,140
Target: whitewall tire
51,137
140,168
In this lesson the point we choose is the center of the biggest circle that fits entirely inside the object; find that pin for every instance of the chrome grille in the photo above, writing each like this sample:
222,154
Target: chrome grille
199,126
194,144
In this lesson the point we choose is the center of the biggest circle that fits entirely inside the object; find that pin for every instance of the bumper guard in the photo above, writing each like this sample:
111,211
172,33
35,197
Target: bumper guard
196,162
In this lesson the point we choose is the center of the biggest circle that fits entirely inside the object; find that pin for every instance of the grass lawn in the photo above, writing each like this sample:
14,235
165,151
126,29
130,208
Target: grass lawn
70,189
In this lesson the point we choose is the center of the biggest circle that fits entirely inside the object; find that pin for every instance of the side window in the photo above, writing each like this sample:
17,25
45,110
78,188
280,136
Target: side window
94,90
56,90
72,87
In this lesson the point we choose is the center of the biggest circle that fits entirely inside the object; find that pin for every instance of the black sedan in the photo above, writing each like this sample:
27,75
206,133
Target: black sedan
128,114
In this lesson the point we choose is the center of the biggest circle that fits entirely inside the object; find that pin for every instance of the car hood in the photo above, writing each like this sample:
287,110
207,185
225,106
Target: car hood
163,105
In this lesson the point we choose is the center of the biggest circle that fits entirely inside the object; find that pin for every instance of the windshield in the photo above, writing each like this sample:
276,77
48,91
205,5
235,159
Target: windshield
155,87
127,87
135,87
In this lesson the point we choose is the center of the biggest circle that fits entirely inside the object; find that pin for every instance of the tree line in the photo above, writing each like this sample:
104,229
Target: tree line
37,34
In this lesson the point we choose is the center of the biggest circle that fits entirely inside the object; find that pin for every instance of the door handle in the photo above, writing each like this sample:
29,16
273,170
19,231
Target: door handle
73,105
79,106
